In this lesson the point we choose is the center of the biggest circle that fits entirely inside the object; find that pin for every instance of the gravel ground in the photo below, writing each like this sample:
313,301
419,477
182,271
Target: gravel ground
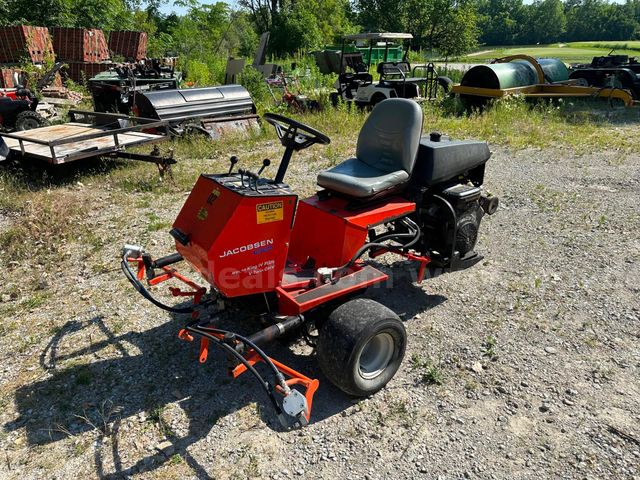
524,366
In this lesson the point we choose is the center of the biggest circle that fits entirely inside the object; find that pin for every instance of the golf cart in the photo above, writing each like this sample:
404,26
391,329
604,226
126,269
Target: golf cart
18,111
396,79
301,261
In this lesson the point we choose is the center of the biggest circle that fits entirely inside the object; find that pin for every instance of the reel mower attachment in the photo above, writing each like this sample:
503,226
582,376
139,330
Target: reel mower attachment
242,351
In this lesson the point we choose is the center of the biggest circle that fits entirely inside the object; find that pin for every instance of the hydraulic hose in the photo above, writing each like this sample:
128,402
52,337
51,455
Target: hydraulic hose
137,284
265,385
258,350
368,246
205,333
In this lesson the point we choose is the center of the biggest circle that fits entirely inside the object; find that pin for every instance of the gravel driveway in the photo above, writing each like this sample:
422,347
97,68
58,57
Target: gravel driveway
524,366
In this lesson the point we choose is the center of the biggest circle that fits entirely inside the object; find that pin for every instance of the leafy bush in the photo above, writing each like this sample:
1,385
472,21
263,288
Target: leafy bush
252,80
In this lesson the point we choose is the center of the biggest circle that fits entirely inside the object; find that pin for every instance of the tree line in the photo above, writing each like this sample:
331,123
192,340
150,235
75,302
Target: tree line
447,27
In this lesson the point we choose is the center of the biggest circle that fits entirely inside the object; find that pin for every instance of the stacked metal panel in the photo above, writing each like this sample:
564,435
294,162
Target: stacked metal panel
80,44
128,44
10,77
22,42
84,51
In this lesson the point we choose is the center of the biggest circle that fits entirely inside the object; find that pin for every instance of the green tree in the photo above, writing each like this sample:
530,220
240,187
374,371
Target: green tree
4,10
585,19
448,26
499,21
299,24
544,21
381,15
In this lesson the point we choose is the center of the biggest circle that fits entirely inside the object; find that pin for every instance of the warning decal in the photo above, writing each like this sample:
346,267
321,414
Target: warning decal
269,212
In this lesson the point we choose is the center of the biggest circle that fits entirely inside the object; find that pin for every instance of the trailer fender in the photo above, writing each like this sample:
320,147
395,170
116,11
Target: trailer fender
4,150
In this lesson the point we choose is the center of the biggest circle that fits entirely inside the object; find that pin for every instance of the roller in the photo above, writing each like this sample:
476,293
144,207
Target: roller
516,73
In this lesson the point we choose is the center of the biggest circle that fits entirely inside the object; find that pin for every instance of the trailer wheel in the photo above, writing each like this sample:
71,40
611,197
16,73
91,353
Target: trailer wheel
29,120
443,88
361,346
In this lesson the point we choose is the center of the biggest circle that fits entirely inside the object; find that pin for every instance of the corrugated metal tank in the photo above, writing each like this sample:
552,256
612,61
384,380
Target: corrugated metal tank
517,73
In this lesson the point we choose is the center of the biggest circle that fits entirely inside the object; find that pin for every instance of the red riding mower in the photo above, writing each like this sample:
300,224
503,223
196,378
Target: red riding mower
419,198
18,111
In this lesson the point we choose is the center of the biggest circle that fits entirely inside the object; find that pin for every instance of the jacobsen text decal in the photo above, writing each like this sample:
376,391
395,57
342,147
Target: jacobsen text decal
256,248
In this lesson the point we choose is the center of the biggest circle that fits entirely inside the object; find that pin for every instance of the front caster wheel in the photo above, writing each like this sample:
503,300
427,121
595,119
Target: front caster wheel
361,346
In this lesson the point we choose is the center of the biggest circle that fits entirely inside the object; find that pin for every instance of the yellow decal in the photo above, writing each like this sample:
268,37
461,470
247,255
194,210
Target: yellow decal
269,212
213,196
203,214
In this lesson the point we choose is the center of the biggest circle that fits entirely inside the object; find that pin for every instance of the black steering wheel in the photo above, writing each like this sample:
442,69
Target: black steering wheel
295,135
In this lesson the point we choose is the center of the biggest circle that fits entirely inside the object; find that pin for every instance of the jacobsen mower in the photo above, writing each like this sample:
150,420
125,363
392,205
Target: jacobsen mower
247,235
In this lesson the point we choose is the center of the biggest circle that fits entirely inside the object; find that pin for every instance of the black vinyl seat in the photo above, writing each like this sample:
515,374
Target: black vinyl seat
385,154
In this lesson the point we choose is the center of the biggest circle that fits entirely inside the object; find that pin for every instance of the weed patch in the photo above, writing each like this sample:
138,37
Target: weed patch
431,373
44,224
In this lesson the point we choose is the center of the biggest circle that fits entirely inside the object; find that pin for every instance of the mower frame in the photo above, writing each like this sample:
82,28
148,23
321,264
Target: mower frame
299,268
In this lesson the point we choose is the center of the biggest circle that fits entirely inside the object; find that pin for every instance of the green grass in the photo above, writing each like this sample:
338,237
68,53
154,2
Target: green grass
42,214
574,52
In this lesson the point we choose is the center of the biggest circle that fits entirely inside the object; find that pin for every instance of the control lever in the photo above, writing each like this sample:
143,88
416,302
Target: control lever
255,178
265,163
242,172
233,160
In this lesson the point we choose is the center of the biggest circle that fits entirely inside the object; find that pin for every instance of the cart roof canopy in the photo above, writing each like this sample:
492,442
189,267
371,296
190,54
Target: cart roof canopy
378,36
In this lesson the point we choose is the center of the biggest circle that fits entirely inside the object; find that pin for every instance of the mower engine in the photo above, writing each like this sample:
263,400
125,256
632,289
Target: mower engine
452,204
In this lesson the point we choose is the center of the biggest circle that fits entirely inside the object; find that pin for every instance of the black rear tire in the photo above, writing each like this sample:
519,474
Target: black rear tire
361,346
28,120
376,99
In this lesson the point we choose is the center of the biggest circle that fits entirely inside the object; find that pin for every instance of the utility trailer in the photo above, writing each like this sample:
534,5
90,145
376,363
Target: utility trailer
610,71
89,134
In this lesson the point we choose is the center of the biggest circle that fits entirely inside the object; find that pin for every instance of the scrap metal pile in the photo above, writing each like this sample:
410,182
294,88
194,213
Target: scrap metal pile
136,103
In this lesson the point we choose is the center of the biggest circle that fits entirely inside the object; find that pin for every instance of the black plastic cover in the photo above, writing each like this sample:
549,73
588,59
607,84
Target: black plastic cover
446,159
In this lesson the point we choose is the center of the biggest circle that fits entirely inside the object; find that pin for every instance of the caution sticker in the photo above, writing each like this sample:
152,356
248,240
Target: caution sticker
270,212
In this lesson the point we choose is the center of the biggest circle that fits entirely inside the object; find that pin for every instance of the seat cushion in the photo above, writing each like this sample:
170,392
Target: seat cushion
390,136
357,179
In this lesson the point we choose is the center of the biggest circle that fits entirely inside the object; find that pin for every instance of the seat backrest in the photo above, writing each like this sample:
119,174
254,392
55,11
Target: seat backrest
393,68
390,137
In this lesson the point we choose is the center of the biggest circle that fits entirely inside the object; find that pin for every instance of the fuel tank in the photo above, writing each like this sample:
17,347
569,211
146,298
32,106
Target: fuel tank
237,237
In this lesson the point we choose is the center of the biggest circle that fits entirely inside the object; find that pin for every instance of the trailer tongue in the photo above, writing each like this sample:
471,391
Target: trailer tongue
211,110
